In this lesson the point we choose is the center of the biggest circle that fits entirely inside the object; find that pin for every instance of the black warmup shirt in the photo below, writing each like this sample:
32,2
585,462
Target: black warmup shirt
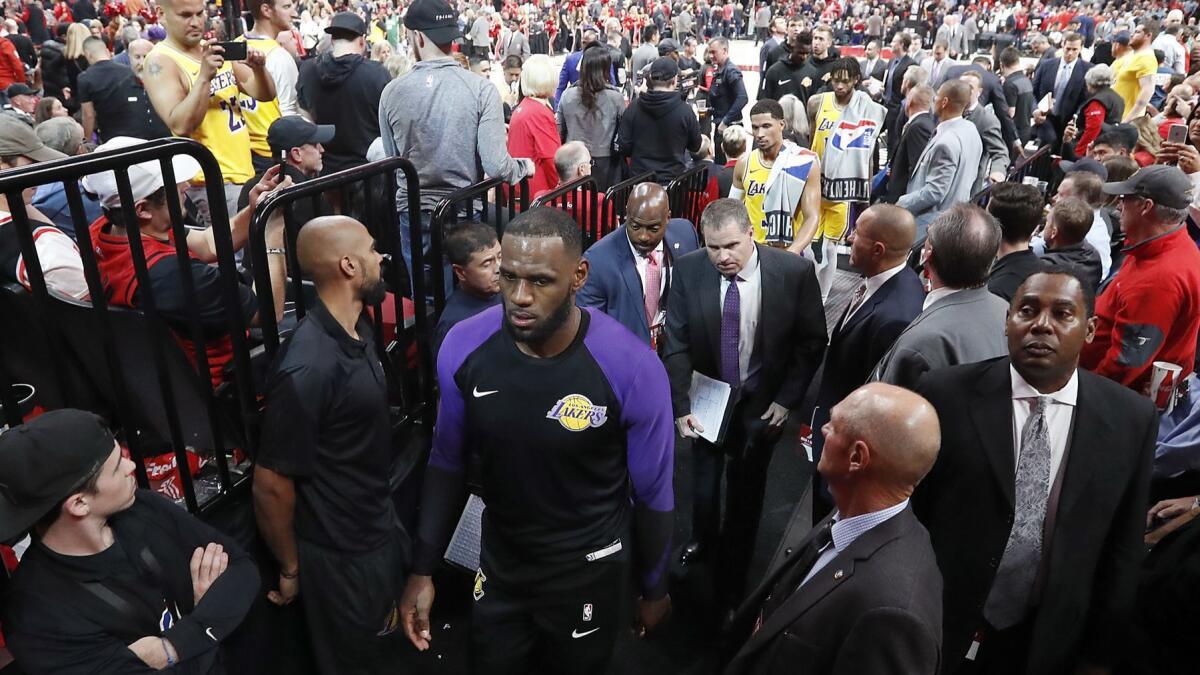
327,427
76,614
572,447
459,306
122,105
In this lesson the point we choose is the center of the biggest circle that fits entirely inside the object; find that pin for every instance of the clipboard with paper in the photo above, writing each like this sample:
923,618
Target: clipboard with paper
711,406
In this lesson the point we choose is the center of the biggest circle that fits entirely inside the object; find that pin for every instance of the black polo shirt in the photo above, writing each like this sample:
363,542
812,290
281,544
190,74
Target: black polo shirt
122,105
327,427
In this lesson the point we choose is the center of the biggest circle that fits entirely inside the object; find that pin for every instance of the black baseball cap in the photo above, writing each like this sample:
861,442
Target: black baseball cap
1086,164
667,46
45,461
1160,183
435,18
346,23
20,89
293,131
663,69
1122,37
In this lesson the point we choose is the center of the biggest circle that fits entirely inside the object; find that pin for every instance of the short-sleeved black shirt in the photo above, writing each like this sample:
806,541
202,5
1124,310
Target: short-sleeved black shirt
327,427
122,105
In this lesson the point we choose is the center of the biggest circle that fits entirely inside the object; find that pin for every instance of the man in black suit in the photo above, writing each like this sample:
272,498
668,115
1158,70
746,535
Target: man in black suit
892,94
914,136
993,94
861,594
887,299
1062,77
1064,454
751,316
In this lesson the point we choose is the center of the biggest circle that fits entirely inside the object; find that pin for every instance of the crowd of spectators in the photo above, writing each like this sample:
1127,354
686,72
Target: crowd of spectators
1013,187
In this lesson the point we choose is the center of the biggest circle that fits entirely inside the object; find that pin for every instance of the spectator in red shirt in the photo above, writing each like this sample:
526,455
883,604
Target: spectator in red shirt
1150,309
533,132
11,68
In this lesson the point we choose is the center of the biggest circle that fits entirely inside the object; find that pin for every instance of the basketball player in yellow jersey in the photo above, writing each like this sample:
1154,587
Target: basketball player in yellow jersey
271,17
195,90
788,220
824,112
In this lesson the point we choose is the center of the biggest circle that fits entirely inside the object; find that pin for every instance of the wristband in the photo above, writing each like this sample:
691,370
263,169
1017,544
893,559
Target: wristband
276,251
167,652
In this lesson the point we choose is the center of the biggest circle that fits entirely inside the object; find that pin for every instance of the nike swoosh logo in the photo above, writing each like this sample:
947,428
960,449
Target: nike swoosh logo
481,394
209,633
783,82
576,634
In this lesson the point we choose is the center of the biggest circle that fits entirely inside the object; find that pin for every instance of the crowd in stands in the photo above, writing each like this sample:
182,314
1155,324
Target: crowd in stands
960,238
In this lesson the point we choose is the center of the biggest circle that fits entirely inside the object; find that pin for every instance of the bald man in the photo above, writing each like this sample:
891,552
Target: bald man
322,495
888,297
862,589
631,266
113,100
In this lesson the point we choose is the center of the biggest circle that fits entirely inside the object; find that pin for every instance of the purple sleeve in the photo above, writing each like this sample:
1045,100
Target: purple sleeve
639,380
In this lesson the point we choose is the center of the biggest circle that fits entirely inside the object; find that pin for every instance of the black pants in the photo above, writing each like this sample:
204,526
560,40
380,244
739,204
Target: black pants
744,458
352,606
551,630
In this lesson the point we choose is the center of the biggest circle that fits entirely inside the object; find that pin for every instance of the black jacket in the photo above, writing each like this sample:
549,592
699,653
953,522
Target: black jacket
1008,272
24,48
912,142
65,614
344,92
657,131
1083,257
727,94
54,69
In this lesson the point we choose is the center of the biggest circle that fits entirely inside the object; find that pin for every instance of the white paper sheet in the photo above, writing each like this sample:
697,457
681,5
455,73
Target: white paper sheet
709,399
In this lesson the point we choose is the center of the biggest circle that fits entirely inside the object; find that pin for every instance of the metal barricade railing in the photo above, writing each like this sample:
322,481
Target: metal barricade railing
375,207
1040,165
491,201
617,198
583,201
141,422
688,194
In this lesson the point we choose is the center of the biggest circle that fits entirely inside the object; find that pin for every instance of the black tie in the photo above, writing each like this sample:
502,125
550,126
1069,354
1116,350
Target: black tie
791,579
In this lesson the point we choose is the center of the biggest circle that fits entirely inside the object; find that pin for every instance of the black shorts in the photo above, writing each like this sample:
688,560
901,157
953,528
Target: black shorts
567,630
352,606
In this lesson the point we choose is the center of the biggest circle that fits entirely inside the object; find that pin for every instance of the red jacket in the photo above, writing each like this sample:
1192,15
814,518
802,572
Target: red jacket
533,133
1150,311
11,68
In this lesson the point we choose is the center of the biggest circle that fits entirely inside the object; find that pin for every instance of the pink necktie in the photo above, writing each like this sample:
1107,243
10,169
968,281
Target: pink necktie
653,287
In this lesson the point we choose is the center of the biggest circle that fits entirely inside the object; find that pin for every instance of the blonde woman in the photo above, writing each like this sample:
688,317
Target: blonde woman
74,61
533,131
1148,142
381,51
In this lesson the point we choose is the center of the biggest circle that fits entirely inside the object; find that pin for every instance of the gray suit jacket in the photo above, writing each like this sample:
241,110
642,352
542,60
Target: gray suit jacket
874,608
945,173
947,64
995,154
957,41
517,44
964,327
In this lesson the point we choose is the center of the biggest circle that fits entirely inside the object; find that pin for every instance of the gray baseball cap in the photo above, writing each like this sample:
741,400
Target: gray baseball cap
1162,184
18,138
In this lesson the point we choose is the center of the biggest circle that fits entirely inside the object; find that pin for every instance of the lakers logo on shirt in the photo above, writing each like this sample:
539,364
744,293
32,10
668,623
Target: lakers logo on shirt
391,622
575,412
479,579
755,188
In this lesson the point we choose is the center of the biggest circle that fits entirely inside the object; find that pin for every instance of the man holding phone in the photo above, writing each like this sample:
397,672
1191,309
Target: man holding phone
194,84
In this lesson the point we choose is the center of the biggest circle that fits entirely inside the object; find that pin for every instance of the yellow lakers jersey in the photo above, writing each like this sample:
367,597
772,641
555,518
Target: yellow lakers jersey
775,230
834,215
223,130
259,114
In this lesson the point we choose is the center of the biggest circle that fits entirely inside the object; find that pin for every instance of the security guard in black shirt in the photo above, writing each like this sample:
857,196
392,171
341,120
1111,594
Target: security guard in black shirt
116,579
727,93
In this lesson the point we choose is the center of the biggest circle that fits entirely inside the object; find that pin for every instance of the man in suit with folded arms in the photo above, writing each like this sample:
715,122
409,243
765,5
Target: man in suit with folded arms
862,592
961,320
945,172
888,298
630,274
751,316
1036,506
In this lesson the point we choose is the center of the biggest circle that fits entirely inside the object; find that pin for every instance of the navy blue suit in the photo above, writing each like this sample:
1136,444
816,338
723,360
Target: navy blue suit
613,284
858,344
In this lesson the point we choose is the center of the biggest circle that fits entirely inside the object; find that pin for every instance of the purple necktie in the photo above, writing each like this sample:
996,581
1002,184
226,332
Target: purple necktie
731,316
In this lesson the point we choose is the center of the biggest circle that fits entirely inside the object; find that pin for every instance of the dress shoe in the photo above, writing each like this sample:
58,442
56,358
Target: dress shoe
692,552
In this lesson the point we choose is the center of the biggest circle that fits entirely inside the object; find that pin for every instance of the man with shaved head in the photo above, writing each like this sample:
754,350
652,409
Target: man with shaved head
114,101
631,266
887,299
322,494
863,587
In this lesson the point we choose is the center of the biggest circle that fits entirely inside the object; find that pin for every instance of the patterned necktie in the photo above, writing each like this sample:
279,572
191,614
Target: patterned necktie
731,317
856,301
1009,600
653,287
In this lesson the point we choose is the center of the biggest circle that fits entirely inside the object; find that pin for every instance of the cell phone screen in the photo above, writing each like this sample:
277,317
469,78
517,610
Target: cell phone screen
1177,133
234,51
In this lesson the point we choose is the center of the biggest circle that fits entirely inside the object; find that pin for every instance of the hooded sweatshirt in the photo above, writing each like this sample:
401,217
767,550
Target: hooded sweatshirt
344,92
657,132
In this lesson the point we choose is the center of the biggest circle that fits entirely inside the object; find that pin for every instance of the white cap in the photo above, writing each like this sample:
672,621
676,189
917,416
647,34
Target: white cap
1175,15
144,179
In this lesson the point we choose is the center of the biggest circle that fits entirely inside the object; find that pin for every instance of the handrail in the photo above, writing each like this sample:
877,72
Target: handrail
616,199
584,208
686,191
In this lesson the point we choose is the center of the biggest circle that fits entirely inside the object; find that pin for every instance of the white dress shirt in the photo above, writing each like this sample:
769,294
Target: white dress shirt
750,296
844,532
875,283
937,294
640,261
1059,412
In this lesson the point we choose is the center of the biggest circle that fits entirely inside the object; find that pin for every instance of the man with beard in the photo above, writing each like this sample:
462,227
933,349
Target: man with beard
823,56
322,495
788,75
1133,73
569,418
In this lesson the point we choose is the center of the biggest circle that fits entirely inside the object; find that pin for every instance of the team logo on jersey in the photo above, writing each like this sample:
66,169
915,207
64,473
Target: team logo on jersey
391,622
855,135
479,579
755,188
575,412
587,611
166,620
